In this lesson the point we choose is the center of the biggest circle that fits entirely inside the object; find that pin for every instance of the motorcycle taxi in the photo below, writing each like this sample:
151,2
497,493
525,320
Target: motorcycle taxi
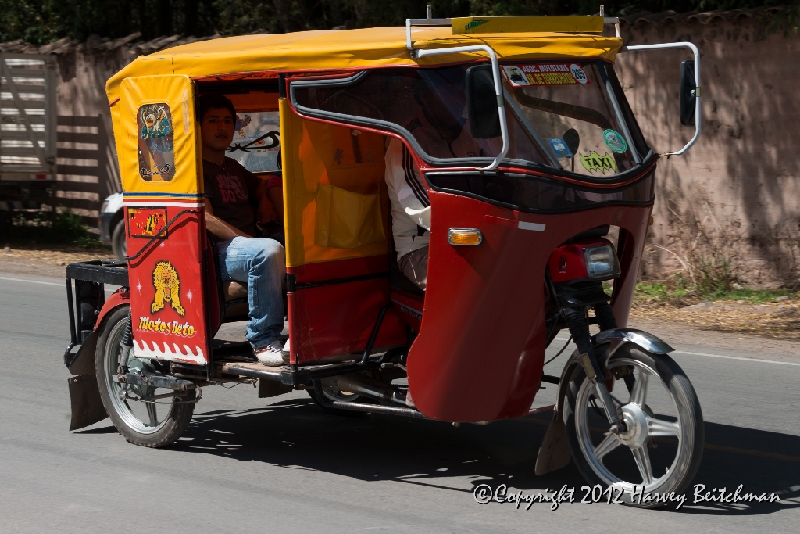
541,187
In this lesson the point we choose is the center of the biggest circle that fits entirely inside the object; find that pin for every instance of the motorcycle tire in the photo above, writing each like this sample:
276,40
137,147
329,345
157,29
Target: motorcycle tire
646,430
154,432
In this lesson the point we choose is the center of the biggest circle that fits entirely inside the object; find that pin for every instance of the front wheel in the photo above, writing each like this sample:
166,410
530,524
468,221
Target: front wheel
151,423
661,450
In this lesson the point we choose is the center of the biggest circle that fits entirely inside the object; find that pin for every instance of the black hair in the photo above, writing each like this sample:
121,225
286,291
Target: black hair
214,101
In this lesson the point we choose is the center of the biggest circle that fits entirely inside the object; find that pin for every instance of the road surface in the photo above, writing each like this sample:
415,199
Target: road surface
282,465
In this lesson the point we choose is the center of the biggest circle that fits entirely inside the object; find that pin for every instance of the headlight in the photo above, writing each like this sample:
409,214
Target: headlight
601,262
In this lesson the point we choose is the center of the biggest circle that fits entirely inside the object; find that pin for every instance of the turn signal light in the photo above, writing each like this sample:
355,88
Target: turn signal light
464,236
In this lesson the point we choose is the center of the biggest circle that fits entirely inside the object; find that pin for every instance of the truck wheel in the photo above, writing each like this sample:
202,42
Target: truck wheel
119,242
157,423
661,450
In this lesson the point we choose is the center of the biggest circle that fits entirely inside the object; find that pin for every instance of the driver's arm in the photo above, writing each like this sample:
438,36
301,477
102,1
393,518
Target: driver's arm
219,228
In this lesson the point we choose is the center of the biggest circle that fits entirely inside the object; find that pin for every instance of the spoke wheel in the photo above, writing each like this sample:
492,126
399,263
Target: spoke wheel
151,424
661,450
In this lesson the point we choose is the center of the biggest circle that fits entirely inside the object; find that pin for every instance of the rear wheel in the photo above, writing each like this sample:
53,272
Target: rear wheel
156,423
661,450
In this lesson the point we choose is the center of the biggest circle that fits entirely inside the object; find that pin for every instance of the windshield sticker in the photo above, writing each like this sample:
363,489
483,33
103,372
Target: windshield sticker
615,141
156,157
560,147
546,74
595,162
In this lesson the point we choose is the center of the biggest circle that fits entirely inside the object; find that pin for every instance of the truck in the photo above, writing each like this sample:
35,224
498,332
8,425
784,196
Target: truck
28,140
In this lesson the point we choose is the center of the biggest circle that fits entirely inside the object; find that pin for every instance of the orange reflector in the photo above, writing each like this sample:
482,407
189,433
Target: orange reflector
464,236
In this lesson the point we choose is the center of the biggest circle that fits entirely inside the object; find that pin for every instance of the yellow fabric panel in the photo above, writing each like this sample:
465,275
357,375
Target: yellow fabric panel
317,154
173,94
337,49
346,219
472,25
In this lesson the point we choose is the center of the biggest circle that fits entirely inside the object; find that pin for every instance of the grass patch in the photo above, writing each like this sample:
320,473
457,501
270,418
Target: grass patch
677,294
66,229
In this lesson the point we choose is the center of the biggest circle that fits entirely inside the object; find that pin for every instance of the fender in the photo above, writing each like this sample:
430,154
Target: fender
607,344
118,298
553,453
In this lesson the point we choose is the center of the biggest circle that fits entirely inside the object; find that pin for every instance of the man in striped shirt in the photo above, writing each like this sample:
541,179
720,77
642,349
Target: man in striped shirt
411,212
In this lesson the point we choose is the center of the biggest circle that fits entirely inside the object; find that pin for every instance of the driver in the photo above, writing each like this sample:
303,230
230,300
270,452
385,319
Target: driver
236,204
441,128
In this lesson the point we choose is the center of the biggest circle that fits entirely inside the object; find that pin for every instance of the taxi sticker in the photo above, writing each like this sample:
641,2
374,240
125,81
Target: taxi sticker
546,74
595,162
615,141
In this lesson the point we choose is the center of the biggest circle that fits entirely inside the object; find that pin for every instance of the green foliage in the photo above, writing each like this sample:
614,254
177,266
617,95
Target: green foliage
66,229
43,21
659,292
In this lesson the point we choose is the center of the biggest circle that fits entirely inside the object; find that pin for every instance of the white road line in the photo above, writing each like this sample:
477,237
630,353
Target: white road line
30,281
735,358
707,355
107,289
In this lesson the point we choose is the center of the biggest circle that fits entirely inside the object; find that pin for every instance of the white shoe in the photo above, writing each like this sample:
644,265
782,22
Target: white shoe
286,349
271,355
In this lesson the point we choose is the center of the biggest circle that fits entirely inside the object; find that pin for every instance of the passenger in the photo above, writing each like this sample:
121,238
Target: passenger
236,204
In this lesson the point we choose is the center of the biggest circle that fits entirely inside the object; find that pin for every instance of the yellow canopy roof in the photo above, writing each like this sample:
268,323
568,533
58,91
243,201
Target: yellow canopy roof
347,49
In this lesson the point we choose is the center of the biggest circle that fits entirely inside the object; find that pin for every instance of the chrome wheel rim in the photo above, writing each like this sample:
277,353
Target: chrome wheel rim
644,426
142,417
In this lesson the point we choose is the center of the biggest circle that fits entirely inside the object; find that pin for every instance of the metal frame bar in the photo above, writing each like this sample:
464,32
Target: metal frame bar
698,117
498,87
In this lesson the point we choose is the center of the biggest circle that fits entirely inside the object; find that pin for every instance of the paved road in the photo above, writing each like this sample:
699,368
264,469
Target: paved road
246,465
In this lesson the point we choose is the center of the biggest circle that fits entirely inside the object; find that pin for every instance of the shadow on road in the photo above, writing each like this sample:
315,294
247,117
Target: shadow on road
296,434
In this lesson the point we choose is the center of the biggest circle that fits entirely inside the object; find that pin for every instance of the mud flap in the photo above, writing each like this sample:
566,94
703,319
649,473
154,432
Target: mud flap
554,453
87,408
84,397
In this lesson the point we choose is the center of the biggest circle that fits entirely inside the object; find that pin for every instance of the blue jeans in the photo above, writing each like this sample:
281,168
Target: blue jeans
261,264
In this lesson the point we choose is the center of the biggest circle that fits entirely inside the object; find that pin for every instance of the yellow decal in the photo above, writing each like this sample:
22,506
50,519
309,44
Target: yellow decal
596,162
146,324
168,285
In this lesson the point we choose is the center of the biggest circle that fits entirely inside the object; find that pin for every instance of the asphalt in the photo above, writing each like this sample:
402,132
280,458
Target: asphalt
249,465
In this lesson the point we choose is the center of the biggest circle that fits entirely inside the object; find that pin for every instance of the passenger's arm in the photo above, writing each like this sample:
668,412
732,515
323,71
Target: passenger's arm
219,228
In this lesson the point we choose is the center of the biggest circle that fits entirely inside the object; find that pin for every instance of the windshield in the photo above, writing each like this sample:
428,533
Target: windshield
574,109
560,115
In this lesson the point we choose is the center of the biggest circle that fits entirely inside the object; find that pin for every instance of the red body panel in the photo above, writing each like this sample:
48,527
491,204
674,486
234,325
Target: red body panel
480,351
118,298
167,294
410,308
329,320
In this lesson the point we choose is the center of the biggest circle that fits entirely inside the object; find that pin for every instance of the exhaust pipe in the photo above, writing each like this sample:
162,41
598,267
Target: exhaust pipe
363,385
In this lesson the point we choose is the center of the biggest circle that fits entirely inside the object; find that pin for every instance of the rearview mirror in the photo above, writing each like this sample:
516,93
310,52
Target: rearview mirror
484,121
688,93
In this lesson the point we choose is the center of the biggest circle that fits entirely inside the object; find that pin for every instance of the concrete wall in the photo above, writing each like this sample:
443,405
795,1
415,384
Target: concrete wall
735,197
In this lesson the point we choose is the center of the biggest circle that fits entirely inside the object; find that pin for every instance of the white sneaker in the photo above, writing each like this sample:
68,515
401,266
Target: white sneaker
270,355
286,349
